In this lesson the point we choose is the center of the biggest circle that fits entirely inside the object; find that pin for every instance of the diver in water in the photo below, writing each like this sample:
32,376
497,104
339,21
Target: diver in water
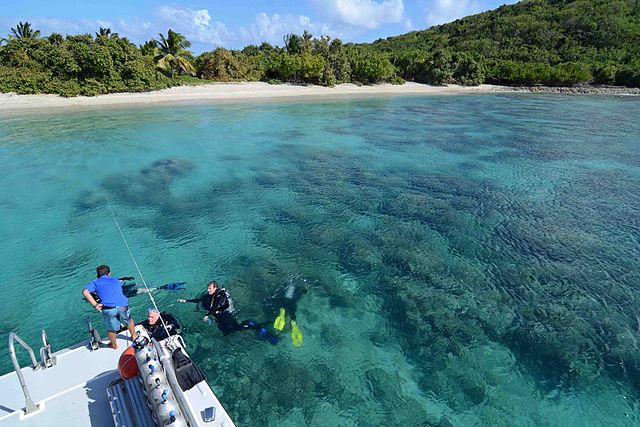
286,302
218,303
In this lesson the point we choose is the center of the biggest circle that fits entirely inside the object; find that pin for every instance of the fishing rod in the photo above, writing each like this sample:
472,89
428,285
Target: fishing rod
133,258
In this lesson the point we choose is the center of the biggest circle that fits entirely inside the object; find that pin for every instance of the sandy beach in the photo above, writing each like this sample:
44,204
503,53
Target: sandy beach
224,92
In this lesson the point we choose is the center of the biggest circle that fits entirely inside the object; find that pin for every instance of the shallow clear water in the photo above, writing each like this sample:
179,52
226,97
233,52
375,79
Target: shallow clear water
471,260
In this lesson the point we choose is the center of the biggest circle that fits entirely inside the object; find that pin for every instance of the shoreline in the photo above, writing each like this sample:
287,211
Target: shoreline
578,90
228,92
261,91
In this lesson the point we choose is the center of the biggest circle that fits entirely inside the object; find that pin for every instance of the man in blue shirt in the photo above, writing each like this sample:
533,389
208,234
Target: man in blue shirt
113,304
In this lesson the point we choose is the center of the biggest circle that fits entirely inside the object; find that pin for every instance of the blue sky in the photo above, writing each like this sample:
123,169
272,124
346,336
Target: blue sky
237,23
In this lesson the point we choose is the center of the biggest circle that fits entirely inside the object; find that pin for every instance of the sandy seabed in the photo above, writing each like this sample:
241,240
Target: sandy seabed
230,92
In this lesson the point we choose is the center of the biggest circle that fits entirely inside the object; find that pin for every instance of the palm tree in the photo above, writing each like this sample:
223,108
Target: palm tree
103,32
149,48
305,42
173,53
292,43
24,32
106,32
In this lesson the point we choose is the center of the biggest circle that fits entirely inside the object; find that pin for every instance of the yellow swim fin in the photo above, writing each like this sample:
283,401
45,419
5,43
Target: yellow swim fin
278,324
296,334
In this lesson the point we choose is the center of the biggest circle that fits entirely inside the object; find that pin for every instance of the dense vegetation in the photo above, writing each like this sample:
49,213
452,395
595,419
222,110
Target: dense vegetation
75,65
552,42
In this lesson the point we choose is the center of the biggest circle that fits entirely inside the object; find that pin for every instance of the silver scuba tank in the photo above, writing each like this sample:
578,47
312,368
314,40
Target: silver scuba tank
164,411
160,394
145,354
155,377
176,421
147,368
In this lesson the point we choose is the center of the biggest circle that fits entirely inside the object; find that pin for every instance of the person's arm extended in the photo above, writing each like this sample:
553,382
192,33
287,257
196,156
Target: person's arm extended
87,295
190,300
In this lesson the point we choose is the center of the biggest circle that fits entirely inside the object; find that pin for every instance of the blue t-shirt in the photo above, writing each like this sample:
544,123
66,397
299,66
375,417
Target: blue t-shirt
109,289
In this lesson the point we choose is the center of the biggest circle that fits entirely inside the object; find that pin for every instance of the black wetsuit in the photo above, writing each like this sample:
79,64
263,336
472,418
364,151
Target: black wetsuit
157,331
220,306
286,297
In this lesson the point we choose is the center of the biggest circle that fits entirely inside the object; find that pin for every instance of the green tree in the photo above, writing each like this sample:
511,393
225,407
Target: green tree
283,66
306,42
310,67
292,43
106,32
149,48
371,67
56,39
24,31
173,53
222,65
467,70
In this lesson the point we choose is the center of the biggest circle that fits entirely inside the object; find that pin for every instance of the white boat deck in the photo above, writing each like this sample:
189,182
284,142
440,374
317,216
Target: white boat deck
74,392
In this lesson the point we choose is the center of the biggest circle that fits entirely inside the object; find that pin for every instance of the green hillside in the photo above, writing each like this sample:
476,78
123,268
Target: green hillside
551,42
534,41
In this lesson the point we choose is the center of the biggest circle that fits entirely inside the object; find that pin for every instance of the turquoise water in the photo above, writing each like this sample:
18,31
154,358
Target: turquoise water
466,260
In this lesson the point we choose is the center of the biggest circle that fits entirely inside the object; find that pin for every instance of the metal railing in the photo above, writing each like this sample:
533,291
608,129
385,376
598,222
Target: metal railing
94,336
30,406
47,358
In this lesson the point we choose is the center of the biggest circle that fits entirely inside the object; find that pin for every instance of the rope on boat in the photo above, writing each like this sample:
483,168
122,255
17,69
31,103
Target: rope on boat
153,301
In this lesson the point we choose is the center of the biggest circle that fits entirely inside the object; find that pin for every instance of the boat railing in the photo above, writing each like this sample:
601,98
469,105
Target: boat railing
94,336
46,356
30,406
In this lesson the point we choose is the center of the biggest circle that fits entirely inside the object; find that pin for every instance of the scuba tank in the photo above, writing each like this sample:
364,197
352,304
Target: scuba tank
165,411
140,343
176,421
148,368
155,377
145,355
159,394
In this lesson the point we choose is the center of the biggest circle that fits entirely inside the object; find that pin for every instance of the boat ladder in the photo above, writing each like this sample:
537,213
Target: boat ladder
47,360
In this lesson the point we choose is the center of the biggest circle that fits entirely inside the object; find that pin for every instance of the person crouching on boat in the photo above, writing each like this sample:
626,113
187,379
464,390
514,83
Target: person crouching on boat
113,305
155,328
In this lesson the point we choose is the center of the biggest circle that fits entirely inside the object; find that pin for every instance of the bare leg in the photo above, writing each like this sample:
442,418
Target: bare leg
112,339
132,330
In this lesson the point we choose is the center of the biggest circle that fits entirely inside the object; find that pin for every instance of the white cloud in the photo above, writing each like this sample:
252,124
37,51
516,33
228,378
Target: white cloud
441,11
408,25
53,25
368,14
272,28
195,25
